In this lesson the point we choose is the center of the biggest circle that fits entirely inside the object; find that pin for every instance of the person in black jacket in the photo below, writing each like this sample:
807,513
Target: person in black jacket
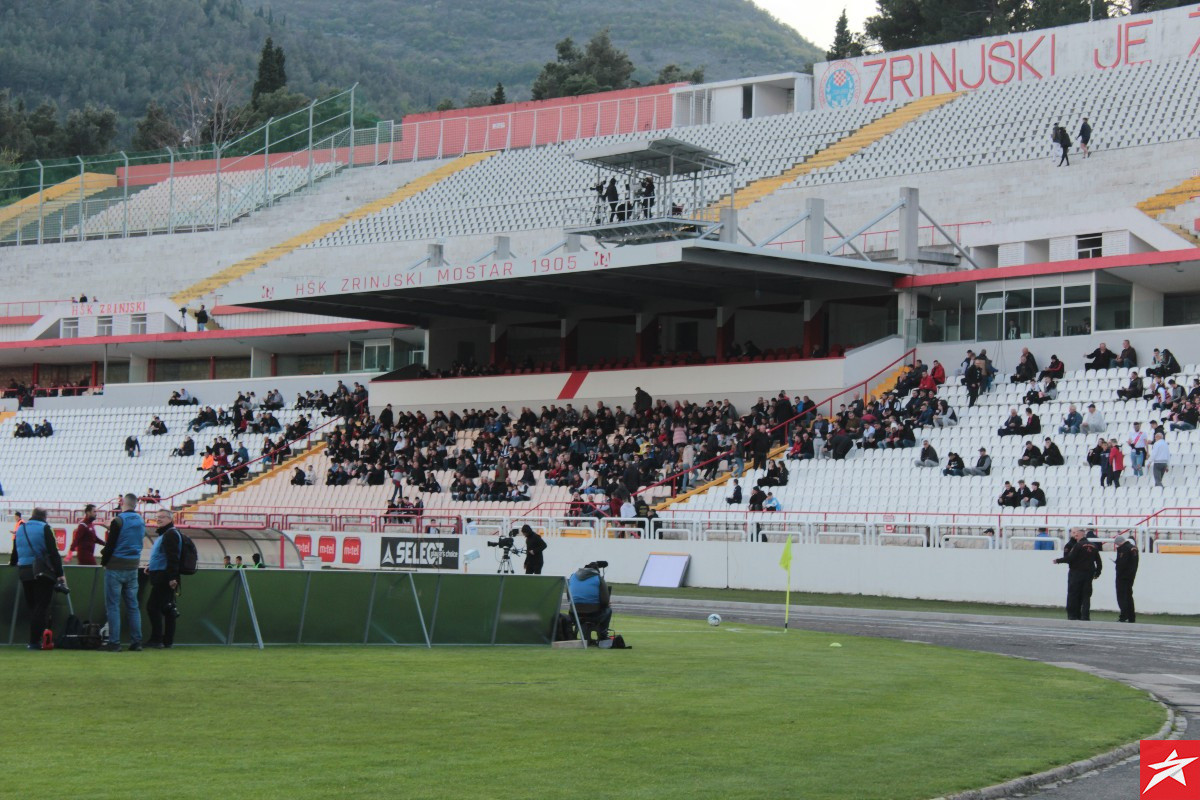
1082,557
1127,566
1051,455
163,571
535,545
735,497
1032,457
34,544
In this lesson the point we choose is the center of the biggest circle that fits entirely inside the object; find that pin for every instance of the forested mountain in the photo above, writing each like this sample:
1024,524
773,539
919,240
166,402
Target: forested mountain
407,55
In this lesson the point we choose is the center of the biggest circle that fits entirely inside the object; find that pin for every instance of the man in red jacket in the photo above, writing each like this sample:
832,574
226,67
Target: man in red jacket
83,543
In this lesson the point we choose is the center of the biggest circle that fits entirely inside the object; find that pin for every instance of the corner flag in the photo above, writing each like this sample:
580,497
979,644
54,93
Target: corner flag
785,561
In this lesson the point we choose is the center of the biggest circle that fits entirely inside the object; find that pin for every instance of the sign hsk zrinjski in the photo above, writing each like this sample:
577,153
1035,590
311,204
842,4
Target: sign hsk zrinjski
1170,769
1086,48
418,552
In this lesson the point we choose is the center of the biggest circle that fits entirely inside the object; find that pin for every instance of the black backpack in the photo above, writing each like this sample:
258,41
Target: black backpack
188,557
79,635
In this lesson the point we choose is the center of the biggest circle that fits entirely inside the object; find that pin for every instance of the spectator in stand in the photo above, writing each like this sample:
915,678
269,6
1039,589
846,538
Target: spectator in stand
1027,368
1030,497
132,447
965,364
954,466
298,478
1138,445
1032,457
201,318
1054,370
928,457
983,465
1051,455
1072,420
1101,358
757,498
1115,464
937,372
772,503
1128,357
1096,456
1134,390
1009,498
776,475
186,448
944,416
973,380
1032,423
44,430
1043,540
1186,418
156,427
1012,426
1160,458
1093,421
84,540
1165,365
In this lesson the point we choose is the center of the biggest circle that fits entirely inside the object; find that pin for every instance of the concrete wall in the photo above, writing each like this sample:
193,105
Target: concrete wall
214,393
1166,583
741,383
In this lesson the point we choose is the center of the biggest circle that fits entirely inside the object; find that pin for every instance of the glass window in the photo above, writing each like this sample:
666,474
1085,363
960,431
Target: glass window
990,301
1181,309
1090,245
137,324
1047,296
988,327
68,328
1077,294
1047,322
1018,298
1077,321
104,326
1114,306
1017,325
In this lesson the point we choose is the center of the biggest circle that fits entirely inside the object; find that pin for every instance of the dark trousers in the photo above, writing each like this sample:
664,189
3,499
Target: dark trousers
595,621
37,596
533,566
1079,594
161,609
1125,597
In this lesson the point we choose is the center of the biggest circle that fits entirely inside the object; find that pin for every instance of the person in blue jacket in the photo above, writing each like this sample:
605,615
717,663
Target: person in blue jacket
34,547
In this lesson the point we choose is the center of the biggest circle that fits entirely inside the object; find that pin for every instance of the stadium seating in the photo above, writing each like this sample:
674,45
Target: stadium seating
887,481
1009,124
85,461
546,188
193,202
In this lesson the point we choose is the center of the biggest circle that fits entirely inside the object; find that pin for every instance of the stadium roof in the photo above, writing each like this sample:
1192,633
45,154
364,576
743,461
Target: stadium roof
670,275
662,157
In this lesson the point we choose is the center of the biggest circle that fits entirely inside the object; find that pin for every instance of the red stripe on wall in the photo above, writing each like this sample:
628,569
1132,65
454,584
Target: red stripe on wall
571,387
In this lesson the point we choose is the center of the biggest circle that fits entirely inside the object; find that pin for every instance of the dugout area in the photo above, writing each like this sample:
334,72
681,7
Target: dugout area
321,607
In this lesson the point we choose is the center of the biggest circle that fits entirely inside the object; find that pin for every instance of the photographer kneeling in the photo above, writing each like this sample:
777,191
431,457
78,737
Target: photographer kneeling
590,595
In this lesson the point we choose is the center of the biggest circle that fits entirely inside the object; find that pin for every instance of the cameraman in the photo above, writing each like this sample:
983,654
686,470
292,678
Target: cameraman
590,595
535,545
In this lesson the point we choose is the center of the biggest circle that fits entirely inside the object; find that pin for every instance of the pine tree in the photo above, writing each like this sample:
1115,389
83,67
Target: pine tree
845,44
155,130
498,97
271,72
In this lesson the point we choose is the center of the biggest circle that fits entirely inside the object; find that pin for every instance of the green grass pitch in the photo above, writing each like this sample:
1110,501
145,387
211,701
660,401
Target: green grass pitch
691,712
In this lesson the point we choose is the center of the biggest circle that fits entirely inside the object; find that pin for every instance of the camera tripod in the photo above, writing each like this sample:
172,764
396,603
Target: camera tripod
506,565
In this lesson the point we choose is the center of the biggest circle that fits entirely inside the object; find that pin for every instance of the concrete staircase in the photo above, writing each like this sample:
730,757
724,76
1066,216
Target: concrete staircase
245,266
285,466
51,200
1166,200
839,150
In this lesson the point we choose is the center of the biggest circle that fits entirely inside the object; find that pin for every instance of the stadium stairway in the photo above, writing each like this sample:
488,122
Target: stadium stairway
244,267
887,382
53,199
1164,201
841,149
282,468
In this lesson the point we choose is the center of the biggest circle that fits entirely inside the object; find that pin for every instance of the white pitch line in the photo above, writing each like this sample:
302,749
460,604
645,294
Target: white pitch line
1181,678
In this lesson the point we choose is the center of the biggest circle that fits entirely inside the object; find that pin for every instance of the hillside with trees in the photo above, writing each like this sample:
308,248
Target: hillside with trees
406,55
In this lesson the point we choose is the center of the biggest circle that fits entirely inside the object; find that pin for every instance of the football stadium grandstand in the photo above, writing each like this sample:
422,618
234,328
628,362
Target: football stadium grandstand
640,283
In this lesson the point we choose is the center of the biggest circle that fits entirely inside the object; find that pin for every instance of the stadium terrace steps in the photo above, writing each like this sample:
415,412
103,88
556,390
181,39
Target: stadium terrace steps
1166,200
1183,232
841,149
282,468
248,265
53,199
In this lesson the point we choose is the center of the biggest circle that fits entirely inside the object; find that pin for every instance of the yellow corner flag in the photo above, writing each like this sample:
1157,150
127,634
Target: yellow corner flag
785,561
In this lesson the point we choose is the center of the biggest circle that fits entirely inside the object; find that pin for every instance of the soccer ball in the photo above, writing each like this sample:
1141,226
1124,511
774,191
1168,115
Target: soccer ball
714,619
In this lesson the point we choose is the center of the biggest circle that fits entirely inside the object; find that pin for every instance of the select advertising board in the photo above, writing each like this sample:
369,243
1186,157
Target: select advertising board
1090,47
419,552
